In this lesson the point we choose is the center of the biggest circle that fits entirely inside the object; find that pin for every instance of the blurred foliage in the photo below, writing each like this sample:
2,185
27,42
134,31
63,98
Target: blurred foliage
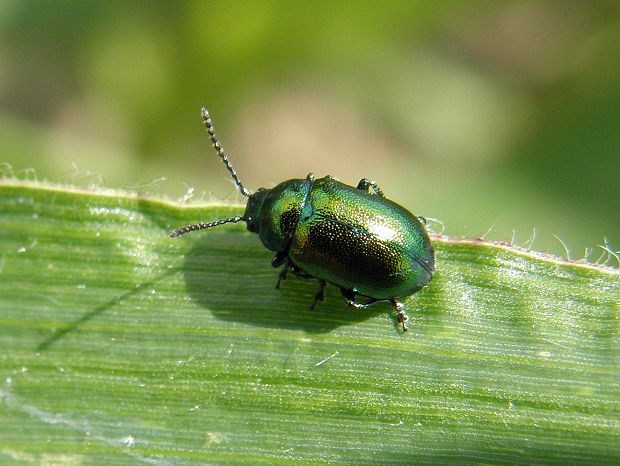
476,113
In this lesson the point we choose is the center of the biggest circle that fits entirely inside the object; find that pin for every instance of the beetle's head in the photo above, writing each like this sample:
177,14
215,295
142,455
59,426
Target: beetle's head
253,209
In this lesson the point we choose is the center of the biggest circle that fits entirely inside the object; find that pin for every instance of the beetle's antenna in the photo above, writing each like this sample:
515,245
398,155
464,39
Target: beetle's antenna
220,151
202,225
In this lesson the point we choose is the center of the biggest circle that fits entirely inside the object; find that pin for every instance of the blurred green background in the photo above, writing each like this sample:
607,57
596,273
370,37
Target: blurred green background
480,113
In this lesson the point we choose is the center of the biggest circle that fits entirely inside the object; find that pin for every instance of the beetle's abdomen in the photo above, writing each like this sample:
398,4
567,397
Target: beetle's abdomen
362,242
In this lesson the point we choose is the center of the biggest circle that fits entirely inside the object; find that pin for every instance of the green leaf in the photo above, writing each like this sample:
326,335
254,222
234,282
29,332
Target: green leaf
122,345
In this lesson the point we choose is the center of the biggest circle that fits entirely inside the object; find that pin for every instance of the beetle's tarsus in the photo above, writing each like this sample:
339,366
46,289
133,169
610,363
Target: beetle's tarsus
365,184
401,315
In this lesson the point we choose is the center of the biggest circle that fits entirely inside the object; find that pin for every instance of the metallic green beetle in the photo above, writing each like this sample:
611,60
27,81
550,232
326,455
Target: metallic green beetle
360,241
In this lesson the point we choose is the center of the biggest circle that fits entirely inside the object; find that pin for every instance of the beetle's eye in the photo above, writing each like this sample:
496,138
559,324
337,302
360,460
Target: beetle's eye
251,224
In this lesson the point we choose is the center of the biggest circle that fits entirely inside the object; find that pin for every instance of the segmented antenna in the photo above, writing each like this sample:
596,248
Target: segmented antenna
220,151
202,225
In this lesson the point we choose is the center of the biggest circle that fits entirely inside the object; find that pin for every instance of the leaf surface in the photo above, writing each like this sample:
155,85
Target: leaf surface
122,345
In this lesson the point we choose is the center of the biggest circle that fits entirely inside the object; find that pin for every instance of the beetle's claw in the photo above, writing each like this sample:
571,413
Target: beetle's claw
402,319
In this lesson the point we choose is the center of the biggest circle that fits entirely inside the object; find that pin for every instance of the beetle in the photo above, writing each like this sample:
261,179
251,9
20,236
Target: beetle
366,245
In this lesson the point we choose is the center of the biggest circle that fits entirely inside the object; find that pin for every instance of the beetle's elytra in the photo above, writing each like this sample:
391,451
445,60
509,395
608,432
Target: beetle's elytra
355,239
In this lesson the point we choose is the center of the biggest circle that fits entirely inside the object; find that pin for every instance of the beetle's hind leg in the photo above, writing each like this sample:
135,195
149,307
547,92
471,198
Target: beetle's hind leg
349,297
365,185
401,315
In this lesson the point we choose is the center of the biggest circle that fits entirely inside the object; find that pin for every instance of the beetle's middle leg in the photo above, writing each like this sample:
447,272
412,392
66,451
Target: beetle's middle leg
284,272
365,184
282,258
320,295
282,275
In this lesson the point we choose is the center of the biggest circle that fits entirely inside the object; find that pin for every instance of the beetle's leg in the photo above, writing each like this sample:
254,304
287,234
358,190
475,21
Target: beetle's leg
423,220
349,297
320,295
401,315
282,276
300,273
280,258
365,185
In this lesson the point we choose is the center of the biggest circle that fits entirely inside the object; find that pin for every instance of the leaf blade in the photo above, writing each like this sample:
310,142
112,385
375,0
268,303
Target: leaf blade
125,345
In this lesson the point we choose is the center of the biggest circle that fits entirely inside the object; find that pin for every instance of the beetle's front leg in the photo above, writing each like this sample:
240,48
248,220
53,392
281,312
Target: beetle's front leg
277,261
365,185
